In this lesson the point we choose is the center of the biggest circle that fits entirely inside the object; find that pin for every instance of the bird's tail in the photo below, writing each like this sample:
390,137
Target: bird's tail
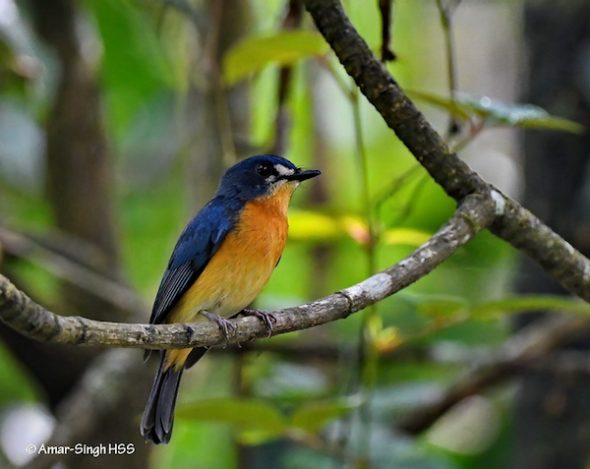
158,415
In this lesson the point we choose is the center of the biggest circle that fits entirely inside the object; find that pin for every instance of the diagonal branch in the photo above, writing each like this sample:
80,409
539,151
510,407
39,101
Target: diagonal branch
90,280
21,313
527,347
513,223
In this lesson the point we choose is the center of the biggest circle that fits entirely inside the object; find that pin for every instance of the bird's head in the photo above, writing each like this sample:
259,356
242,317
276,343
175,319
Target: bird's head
263,176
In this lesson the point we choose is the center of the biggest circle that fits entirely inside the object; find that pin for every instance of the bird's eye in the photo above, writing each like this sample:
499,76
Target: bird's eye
264,170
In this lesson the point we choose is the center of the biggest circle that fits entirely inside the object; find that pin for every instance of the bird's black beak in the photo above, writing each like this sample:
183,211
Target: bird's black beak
303,174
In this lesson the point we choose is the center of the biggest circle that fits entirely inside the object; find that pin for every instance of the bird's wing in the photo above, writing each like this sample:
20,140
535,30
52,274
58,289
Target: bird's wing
199,241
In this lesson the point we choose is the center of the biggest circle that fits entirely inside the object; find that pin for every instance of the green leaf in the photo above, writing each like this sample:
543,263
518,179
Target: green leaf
520,115
314,226
454,107
436,305
252,415
465,106
406,236
313,416
256,437
448,307
552,123
519,304
284,48
307,225
134,65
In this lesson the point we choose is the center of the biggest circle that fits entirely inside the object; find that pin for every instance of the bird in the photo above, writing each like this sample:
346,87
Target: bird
222,260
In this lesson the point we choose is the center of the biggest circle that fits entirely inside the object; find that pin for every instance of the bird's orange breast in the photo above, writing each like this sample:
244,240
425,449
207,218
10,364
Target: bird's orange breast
244,262
240,269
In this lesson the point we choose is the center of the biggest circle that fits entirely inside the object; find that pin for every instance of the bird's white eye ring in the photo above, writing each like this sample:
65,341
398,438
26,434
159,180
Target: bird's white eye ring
264,170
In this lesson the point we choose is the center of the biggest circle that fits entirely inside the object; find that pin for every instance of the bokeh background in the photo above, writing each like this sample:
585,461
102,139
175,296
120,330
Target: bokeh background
117,118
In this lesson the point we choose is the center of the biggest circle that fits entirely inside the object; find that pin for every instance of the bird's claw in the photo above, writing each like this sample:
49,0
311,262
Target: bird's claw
267,318
226,327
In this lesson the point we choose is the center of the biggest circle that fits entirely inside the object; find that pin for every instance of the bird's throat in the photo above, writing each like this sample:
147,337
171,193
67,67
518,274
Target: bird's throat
278,200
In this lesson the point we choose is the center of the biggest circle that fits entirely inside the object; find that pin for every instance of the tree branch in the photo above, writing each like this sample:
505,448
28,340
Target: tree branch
533,343
91,281
21,313
513,223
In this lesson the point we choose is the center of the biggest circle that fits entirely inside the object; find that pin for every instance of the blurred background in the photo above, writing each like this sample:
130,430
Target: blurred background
117,118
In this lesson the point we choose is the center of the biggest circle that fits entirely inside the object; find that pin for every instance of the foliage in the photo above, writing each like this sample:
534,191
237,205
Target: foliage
258,421
285,48
494,112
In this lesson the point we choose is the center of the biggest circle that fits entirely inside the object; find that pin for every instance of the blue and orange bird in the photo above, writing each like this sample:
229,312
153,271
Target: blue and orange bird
223,259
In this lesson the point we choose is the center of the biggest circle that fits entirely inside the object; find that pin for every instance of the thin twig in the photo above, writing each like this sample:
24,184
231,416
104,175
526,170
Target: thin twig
386,10
446,18
396,185
412,201
366,373
92,282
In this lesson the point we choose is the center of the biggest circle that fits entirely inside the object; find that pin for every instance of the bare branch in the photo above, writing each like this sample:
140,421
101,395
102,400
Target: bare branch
513,223
21,313
524,349
89,280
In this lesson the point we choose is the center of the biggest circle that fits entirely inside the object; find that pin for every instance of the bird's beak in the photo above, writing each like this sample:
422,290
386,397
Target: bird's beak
303,174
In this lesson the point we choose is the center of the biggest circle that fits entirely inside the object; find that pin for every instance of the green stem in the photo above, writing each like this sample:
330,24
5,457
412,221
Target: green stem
365,191
366,373
368,356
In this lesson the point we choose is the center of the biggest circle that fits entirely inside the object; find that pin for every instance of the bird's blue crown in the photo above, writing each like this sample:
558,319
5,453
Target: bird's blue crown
252,177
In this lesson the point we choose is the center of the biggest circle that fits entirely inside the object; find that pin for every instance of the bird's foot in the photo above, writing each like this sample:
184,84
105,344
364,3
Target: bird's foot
225,326
267,318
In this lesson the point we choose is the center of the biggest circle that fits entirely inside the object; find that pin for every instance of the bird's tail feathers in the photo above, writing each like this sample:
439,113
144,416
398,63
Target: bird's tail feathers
158,415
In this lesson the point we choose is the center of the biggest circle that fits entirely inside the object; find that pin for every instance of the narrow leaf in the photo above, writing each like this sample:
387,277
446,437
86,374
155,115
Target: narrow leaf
243,414
456,108
520,115
313,226
406,236
308,225
518,304
313,416
442,308
465,106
